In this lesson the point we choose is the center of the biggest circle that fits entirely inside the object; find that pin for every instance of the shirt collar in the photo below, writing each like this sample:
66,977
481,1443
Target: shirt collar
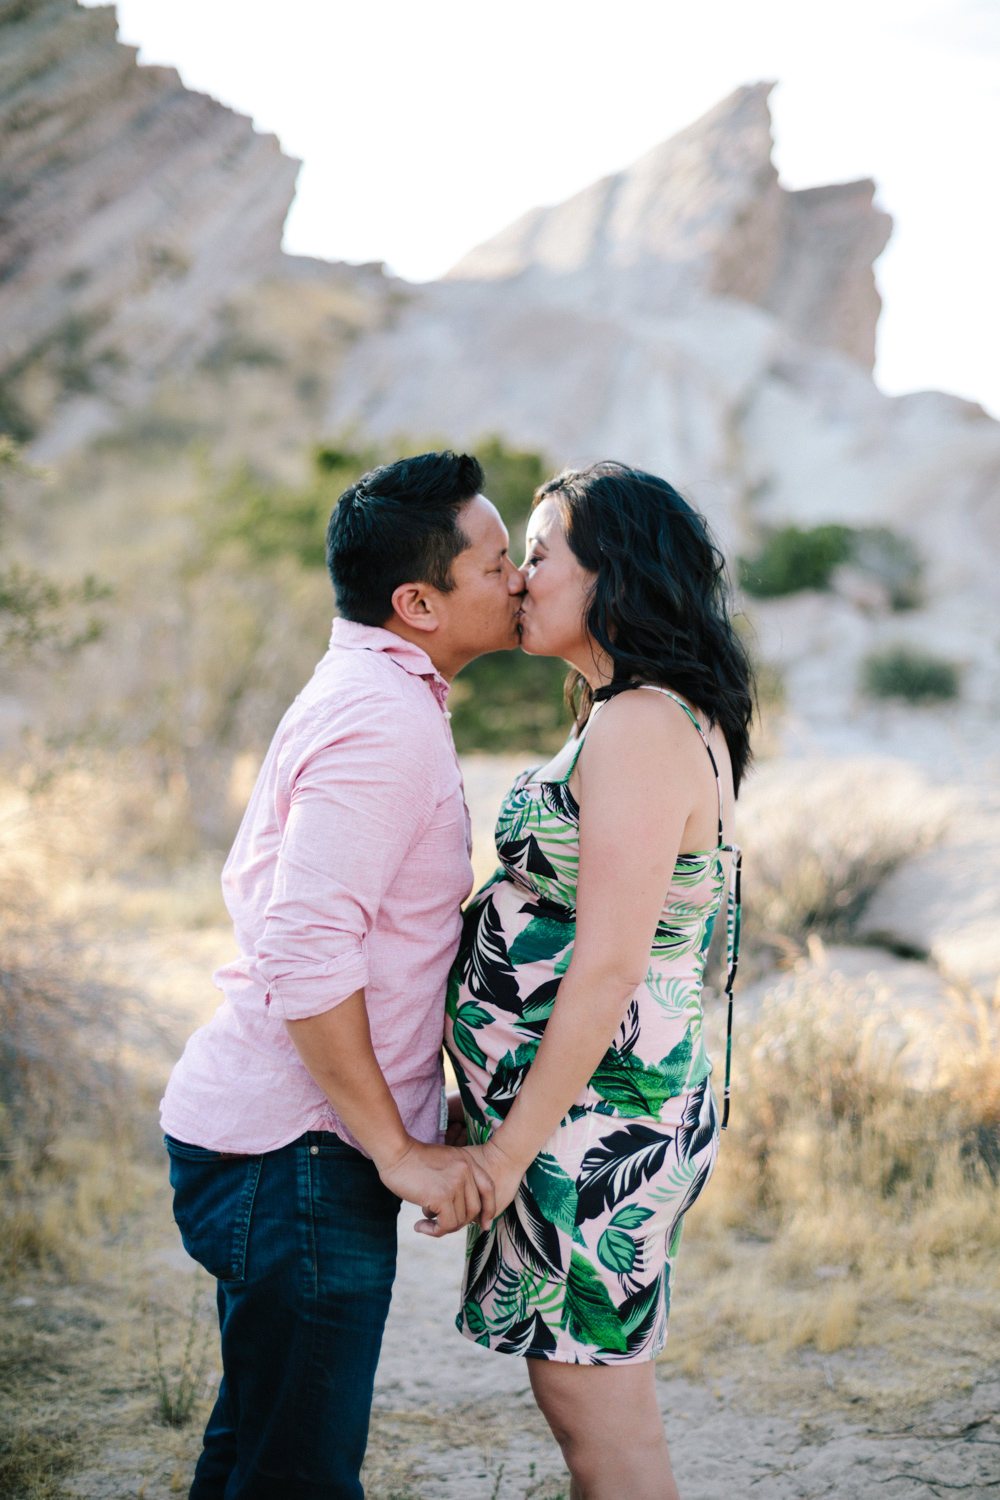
348,634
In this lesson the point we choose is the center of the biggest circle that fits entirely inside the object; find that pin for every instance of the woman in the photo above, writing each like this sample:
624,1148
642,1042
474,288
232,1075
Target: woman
575,1020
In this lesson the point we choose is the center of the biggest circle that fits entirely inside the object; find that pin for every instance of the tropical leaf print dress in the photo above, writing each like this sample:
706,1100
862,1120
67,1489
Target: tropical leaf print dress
578,1267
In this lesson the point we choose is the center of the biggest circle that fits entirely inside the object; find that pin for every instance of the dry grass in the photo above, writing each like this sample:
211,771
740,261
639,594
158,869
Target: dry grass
849,1207
31,1465
819,836
71,1110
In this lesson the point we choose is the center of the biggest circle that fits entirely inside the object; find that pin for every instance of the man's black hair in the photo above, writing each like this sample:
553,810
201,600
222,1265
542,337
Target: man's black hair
399,524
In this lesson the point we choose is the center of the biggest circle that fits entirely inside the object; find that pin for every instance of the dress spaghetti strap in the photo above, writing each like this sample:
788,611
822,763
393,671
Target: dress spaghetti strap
735,871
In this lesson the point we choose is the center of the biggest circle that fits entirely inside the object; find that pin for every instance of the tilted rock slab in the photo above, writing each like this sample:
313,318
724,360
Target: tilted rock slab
132,209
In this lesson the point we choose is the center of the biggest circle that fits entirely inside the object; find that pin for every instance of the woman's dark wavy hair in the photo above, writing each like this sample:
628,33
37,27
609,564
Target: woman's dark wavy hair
659,606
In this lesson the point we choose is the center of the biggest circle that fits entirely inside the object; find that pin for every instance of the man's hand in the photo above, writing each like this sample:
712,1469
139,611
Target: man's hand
456,1133
451,1187
505,1174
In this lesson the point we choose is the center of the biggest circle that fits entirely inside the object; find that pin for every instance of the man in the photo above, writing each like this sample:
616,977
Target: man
313,1101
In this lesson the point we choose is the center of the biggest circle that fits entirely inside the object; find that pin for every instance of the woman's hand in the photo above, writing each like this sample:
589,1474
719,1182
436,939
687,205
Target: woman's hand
505,1174
487,1162
451,1188
456,1133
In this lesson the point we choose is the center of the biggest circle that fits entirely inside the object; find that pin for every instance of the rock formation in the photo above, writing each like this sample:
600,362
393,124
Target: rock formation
703,213
634,318
132,209
691,316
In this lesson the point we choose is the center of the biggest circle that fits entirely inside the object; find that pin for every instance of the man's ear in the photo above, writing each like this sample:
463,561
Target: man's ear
414,605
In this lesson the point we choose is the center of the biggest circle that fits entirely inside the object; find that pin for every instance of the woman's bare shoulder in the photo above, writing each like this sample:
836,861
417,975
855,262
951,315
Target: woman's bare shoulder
645,714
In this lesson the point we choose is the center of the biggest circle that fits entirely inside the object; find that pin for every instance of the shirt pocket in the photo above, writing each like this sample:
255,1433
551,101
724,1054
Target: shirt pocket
213,1203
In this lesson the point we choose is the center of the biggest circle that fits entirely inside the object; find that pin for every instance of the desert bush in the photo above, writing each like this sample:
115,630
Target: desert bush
57,1064
792,559
906,672
820,836
853,1182
67,1107
893,560
35,610
271,520
177,1390
65,1104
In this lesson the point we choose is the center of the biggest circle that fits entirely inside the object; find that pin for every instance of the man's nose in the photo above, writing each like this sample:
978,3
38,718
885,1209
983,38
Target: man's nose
515,582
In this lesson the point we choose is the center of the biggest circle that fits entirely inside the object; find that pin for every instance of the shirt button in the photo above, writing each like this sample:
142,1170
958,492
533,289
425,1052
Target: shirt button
313,1150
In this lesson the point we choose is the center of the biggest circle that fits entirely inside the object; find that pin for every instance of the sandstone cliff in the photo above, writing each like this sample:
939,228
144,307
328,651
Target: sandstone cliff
132,209
703,213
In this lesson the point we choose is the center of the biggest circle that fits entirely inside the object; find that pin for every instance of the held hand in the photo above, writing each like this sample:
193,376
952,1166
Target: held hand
450,1187
505,1174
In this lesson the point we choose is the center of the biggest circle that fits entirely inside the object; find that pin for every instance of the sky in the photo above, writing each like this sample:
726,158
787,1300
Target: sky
425,126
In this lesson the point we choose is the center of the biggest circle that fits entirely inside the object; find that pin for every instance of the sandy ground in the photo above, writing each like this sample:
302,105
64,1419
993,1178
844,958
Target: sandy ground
454,1422
721,1443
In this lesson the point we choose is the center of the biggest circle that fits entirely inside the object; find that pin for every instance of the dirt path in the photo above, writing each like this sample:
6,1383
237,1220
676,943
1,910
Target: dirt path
460,1414
452,1421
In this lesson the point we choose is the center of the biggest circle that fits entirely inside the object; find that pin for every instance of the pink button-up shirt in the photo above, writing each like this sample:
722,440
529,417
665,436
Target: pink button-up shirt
348,871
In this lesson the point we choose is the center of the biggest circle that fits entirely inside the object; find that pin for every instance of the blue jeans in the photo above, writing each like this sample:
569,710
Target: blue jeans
303,1243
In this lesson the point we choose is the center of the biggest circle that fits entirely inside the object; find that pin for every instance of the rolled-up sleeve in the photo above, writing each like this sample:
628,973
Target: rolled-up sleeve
357,803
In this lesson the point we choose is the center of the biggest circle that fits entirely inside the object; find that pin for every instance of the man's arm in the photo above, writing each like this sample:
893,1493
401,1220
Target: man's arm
336,1048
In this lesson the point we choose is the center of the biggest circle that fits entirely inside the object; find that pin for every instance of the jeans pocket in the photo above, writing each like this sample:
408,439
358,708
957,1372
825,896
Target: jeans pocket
213,1202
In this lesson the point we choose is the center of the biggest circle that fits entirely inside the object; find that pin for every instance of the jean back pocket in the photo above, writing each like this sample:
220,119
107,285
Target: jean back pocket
213,1203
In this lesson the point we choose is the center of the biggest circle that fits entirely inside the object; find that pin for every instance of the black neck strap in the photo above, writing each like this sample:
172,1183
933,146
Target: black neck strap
613,689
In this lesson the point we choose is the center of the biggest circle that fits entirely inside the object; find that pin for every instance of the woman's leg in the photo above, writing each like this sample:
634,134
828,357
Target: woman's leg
607,1423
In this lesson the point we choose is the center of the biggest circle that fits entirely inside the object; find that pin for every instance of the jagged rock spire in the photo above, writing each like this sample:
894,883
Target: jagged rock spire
704,212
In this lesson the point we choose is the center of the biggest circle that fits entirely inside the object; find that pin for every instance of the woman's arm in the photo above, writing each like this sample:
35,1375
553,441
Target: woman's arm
642,772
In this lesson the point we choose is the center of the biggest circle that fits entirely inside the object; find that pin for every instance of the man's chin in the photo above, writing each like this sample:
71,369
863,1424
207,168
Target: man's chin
512,641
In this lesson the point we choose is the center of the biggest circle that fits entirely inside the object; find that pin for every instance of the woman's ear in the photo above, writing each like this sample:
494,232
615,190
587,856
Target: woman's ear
413,604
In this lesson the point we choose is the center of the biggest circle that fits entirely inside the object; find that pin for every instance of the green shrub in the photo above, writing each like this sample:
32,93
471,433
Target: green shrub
906,672
893,560
34,610
272,520
176,1397
792,559
509,701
